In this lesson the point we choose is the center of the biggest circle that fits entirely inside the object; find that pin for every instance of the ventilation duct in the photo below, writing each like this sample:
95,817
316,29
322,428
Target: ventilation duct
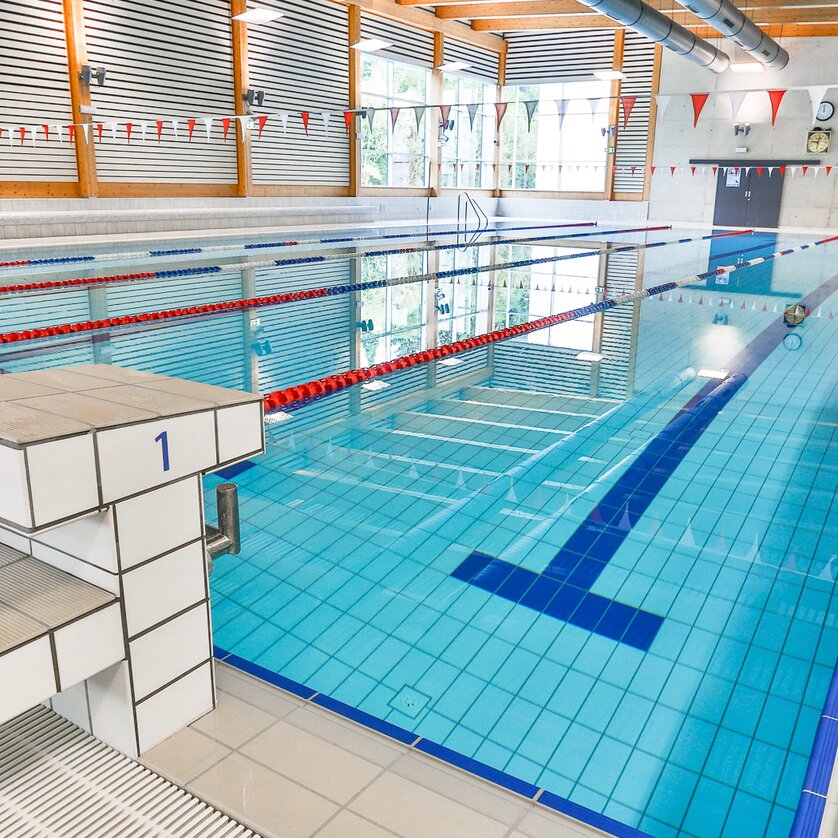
657,27
723,16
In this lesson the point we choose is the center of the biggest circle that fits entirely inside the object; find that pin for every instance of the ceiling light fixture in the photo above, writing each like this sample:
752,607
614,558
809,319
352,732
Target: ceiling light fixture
453,66
747,67
259,15
609,75
371,45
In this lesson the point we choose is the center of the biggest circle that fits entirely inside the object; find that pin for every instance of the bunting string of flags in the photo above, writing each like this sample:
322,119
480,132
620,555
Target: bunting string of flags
31,134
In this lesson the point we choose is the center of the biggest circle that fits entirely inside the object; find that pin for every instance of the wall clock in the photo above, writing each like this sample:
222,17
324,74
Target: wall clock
825,111
818,141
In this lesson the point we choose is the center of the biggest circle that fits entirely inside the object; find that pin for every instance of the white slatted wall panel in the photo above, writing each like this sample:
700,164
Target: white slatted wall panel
34,88
412,46
484,64
302,63
164,59
617,323
632,142
520,365
570,55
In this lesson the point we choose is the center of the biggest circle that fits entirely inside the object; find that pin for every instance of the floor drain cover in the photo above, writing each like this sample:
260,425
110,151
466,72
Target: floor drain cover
409,701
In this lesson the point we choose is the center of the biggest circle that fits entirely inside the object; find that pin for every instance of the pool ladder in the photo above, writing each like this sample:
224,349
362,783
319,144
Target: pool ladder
465,205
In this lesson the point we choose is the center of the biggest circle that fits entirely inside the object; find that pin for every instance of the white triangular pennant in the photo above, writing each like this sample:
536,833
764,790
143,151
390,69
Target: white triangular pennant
175,126
59,129
327,118
143,129
561,107
86,126
207,120
736,98
662,101
112,126
283,118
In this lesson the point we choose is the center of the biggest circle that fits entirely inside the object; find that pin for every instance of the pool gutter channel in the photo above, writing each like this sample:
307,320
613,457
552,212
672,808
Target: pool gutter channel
414,741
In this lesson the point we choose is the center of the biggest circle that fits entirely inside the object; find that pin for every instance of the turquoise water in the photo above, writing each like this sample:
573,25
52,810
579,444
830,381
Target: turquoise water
360,521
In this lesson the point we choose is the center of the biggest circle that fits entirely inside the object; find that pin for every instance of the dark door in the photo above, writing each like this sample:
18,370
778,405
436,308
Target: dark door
748,198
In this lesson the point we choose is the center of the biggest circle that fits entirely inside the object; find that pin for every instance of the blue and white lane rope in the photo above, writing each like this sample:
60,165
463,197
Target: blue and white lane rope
273,245
313,390
144,276
316,293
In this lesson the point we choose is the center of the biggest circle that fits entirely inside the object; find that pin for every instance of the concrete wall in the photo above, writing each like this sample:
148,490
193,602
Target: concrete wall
807,202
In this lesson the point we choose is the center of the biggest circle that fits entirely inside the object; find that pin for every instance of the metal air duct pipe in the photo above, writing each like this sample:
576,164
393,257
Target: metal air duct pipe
657,27
723,16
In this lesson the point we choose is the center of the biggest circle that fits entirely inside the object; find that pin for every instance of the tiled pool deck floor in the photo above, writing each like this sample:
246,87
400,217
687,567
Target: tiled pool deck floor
289,768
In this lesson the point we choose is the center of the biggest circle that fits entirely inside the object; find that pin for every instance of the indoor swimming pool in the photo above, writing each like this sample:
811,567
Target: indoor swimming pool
594,562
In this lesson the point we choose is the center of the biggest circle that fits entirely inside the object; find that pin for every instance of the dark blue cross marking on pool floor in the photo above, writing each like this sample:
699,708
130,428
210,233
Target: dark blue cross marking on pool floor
563,590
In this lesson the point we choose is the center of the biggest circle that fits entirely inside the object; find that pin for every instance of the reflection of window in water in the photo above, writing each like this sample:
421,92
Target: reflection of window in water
541,290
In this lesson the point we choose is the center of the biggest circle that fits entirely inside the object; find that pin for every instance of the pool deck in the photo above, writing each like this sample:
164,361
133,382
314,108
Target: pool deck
286,767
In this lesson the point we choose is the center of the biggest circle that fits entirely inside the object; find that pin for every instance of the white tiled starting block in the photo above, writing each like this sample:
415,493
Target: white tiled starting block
104,599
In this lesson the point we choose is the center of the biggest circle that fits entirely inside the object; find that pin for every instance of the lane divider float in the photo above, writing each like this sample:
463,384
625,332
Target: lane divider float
315,293
273,245
311,390
77,282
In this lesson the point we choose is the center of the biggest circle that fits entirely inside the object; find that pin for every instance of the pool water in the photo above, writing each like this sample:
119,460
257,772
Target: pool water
614,580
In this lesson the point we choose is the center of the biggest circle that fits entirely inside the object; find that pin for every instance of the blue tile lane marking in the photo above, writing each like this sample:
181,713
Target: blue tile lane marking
563,589
434,749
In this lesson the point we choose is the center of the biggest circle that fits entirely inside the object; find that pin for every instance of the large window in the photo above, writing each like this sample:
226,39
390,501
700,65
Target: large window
526,294
394,156
469,152
547,156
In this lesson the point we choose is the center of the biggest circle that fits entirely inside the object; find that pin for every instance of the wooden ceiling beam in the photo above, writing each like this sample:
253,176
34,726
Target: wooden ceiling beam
428,22
518,24
546,8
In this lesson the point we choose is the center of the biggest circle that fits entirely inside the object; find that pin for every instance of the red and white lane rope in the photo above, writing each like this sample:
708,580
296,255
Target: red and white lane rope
314,293
291,396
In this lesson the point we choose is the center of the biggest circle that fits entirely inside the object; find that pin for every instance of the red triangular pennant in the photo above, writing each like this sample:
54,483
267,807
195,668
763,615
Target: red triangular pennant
46,131
500,109
99,129
692,169
715,170
190,128
828,169
71,132
22,131
305,116
225,124
672,170
628,102
159,129
394,116
347,118
262,121
782,171
699,101
805,169
759,171
776,96
444,112
128,127
653,168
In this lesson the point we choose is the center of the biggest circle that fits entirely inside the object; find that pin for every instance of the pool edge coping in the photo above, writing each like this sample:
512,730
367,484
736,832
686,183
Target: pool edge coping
502,779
